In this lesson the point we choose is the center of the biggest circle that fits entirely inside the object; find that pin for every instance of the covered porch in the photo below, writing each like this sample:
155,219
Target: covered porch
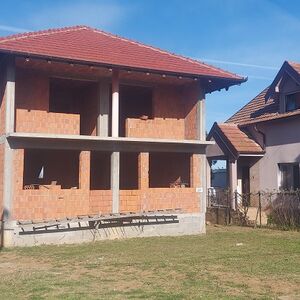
232,161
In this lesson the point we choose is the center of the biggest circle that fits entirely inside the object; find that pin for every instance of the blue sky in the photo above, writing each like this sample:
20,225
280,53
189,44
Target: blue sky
248,37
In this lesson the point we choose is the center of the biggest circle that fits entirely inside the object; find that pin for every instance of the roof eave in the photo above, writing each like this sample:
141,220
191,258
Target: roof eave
229,81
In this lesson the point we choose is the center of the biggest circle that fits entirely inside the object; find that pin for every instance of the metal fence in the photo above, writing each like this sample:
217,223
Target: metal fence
276,208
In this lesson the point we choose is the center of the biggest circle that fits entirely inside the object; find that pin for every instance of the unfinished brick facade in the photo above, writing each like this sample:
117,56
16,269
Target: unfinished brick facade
52,201
88,135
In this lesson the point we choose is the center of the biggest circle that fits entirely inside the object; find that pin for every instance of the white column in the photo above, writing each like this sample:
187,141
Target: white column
102,121
115,156
115,104
232,172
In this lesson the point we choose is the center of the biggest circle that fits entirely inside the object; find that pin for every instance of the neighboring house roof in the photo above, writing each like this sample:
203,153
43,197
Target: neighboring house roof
85,44
265,106
236,140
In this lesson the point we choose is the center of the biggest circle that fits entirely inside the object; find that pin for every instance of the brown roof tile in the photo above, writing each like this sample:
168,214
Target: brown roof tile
241,142
259,109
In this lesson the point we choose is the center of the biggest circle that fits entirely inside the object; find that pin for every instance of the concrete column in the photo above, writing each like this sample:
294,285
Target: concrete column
208,174
198,178
233,181
9,100
115,104
115,181
200,159
84,170
10,96
143,171
103,117
195,170
200,116
203,185
115,156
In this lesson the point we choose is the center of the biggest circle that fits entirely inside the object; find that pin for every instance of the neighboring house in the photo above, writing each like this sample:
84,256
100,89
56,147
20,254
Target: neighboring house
92,123
261,142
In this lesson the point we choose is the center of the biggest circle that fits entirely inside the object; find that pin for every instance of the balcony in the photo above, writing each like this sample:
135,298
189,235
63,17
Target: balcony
38,121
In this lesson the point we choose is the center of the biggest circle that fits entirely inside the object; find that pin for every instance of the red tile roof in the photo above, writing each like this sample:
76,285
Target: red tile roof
240,141
85,44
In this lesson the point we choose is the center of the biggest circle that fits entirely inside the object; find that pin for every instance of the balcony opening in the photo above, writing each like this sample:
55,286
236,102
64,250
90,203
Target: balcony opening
51,169
100,170
79,97
128,170
135,103
169,170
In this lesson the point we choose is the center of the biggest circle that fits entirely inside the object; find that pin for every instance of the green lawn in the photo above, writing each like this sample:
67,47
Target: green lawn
227,263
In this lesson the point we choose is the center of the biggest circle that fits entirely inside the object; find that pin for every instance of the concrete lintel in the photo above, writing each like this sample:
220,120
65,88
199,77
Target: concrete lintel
50,136
110,145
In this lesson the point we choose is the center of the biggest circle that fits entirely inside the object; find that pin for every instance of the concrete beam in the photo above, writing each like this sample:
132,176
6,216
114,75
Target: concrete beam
103,117
115,104
115,181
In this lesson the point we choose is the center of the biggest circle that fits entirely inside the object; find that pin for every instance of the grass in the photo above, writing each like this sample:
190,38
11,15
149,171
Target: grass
227,263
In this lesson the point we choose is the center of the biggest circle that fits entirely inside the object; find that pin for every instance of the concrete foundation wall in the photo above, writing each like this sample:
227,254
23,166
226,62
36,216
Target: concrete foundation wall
188,224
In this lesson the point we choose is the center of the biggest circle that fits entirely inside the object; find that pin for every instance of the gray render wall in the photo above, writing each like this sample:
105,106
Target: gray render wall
282,146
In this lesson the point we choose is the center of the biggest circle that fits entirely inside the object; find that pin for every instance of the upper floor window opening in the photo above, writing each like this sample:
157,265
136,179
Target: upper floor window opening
292,102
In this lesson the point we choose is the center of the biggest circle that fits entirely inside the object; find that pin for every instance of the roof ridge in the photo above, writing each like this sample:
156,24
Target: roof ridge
164,51
41,32
227,121
292,62
228,124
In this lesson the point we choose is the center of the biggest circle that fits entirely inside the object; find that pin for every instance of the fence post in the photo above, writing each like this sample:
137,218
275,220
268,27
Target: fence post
259,207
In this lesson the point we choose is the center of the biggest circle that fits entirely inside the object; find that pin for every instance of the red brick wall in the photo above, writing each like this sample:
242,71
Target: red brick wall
100,201
32,107
191,97
163,198
174,115
45,203
89,111
58,203
47,122
157,128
